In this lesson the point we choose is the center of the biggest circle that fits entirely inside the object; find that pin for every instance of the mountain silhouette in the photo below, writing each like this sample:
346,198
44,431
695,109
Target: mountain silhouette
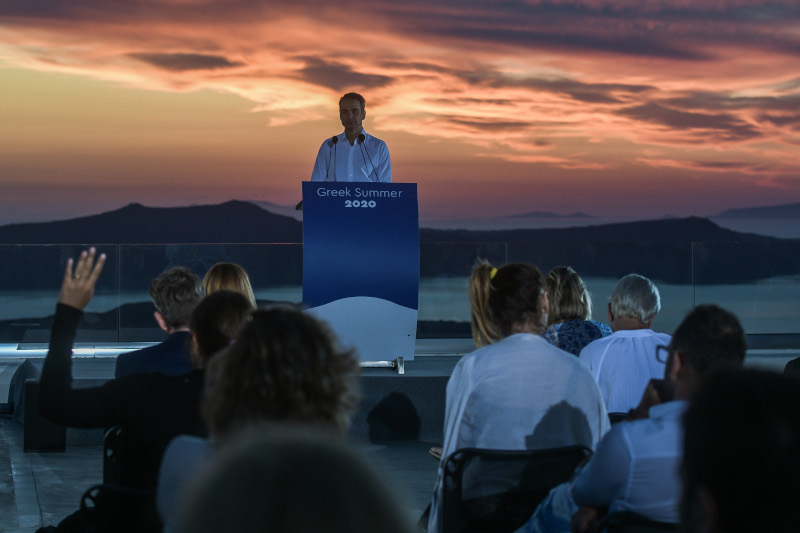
230,222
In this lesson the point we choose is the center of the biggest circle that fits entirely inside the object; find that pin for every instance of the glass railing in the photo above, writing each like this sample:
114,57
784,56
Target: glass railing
759,282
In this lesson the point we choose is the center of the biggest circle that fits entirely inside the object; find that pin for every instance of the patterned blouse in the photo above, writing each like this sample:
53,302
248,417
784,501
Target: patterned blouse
572,335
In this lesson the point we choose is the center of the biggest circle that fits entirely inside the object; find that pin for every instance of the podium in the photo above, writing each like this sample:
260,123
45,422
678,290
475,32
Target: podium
361,264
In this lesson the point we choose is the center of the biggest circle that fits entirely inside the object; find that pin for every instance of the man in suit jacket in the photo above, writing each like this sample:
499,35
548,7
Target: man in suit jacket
175,293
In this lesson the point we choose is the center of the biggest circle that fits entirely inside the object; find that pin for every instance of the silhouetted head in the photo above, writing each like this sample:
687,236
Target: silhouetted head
741,460
215,322
284,365
291,480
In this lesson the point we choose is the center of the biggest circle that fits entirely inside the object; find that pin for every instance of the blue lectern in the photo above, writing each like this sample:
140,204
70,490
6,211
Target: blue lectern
361,264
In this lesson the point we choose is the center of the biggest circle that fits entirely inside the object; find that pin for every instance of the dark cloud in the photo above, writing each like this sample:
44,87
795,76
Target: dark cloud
727,127
338,76
724,102
791,120
595,93
183,62
472,101
484,125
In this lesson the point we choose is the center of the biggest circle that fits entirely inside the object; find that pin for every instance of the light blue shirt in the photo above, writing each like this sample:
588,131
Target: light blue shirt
623,364
520,393
183,459
636,466
363,161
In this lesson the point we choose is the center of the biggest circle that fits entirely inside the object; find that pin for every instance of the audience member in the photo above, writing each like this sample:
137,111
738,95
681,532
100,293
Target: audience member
520,392
570,325
294,480
741,466
635,467
625,361
151,408
175,293
484,332
284,366
230,277
792,368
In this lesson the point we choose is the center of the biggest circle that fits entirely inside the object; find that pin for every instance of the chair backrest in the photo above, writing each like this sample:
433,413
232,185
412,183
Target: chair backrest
630,522
498,490
110,508
111,455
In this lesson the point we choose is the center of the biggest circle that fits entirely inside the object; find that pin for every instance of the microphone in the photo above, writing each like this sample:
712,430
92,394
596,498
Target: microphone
334,140
361,139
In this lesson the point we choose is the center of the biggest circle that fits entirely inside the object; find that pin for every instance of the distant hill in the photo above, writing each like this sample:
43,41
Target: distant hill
681,251
550,215
685,230
230,222
774,212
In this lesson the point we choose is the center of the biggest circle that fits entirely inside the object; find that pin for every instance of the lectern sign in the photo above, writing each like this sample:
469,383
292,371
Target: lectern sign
361,263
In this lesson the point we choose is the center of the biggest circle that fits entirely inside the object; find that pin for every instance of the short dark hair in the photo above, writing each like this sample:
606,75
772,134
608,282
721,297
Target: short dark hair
354,96
175,293
710,338
742,436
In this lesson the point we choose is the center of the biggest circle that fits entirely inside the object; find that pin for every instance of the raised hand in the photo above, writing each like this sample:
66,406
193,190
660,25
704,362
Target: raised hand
77,288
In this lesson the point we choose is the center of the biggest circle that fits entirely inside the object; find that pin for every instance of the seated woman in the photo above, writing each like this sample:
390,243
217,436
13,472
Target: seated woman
569,324
519,393
282,367
151,408
229,277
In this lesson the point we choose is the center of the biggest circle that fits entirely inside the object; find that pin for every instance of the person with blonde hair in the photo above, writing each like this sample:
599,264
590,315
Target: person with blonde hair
519,392
229,277
570,325
283,367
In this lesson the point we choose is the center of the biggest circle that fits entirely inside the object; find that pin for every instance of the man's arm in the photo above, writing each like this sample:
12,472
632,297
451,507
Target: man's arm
384,164
605,476
320,170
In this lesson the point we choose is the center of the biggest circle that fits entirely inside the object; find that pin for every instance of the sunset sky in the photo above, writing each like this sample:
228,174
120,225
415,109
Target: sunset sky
635,108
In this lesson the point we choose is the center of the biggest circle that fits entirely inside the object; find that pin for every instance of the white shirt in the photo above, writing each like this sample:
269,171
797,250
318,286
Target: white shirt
623,363
520,393
363,161
636,466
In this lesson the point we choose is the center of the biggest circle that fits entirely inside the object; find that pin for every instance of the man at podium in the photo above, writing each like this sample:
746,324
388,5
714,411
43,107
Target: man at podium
353,155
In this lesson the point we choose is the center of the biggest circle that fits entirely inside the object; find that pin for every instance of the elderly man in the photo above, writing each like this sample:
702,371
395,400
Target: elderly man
636,465
625,361
175,293
353,155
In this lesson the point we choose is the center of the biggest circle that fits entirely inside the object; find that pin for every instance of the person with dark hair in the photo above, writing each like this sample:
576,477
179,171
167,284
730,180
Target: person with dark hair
635,467
624,362
291,479
353,155
175,293
151,408
569,324
284,366
741,455
229,277
519,392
